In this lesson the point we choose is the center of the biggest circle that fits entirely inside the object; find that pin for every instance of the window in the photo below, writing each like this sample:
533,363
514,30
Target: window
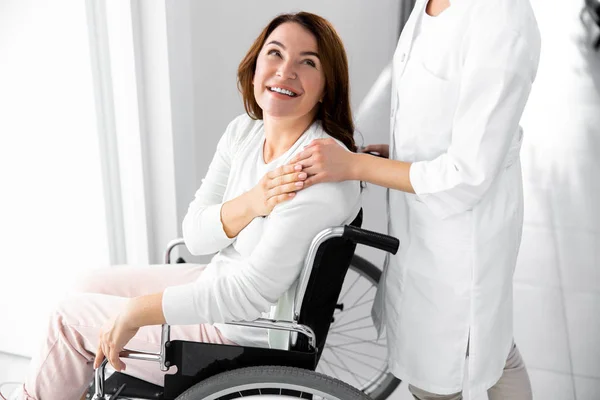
52,212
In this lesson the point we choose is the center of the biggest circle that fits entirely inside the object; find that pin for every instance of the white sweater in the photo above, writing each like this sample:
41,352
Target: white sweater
259,268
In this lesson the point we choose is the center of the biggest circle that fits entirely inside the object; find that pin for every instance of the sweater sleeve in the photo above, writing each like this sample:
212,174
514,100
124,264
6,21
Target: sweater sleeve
243,289
498,73
202,227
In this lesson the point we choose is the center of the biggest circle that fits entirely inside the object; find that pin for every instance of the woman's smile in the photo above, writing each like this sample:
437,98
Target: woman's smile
282,92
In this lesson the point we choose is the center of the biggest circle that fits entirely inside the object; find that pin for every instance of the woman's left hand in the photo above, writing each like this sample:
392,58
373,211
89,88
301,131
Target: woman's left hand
324,160
113,338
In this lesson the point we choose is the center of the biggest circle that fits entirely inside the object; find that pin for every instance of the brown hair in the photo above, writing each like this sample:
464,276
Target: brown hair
334,112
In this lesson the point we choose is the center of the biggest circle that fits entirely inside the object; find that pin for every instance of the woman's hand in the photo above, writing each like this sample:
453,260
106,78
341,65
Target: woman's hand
382,149
275,187
324,160
113,337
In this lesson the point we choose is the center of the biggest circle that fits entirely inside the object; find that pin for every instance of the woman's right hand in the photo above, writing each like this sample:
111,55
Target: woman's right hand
275,187
382,149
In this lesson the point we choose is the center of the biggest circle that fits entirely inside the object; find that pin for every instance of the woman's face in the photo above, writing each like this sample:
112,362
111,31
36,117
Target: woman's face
288,80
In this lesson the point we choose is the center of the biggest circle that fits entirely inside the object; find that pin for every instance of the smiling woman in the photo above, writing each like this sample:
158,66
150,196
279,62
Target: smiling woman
248,210
306,52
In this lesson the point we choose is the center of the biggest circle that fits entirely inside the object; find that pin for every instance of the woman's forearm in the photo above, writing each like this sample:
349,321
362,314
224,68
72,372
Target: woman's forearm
145,310
381,171
236,214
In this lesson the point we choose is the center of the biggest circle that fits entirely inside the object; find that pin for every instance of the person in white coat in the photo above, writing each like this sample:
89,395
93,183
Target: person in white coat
462,74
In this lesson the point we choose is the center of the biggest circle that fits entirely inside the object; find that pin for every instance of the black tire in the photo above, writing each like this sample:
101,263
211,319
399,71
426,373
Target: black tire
382,387
272,380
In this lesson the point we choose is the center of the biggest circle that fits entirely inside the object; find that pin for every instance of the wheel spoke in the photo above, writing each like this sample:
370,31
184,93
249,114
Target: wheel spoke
345,365
355,329
357,305
351,322
358,341
352,337
363,295
353,304
362,362
323,360
347,370
350,288
361,353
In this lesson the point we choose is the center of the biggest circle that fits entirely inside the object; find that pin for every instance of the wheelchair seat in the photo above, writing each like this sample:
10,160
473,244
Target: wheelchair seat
319,286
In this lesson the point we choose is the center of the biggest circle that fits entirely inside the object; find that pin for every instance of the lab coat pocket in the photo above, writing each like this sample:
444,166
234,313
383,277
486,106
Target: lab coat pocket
435,71
454,232
434,98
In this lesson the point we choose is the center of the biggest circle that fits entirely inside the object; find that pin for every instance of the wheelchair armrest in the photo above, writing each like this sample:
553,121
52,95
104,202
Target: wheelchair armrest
281,325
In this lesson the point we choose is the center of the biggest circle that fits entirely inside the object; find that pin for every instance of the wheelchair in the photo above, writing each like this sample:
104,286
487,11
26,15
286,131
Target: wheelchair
222,372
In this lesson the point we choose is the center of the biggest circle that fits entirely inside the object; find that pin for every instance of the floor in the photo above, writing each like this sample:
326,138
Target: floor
557,281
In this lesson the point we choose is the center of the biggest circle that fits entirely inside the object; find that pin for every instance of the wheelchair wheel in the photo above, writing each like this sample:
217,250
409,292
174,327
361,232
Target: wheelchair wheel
353,353
273,381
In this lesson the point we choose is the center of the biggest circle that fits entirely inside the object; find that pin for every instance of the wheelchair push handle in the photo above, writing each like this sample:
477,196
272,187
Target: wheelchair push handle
372,239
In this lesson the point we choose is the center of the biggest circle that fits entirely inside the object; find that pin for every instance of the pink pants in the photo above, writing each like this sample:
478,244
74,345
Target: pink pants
63,367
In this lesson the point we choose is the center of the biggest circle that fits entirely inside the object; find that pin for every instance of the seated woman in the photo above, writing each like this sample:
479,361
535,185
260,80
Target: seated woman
294,83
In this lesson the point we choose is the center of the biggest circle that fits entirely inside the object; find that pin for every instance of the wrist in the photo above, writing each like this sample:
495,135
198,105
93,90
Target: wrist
354,171
249,205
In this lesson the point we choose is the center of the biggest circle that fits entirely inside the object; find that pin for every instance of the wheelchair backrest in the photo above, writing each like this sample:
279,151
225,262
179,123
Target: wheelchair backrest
324,286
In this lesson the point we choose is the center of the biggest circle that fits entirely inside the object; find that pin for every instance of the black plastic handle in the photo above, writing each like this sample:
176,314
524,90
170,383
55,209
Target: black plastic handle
372,239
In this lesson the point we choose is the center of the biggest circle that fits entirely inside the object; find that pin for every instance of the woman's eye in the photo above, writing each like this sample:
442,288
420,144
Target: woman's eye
310,62
274,53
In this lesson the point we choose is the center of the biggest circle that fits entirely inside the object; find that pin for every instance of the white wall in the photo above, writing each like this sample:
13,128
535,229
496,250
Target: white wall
222,32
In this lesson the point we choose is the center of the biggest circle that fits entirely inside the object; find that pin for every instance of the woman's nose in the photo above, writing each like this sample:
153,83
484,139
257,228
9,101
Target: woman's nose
286,70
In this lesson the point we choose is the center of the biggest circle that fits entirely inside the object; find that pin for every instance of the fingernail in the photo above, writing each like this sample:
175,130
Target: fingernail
299,184
298,167
302,175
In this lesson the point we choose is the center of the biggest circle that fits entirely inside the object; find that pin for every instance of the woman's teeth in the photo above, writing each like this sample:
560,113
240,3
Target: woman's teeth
283,91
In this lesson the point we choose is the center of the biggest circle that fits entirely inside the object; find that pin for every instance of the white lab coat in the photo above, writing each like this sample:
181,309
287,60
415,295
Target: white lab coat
457,98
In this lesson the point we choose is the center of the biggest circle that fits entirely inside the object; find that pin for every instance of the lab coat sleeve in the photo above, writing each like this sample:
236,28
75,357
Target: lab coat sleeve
243,289
202,228
498,71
